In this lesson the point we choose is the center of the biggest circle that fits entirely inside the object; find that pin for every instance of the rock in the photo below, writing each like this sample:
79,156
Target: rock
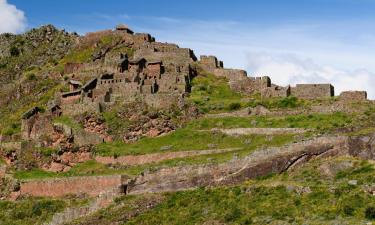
83,157
153,115
330,169
253,123
14,195
56,167
165,148
67,168
353,182
82,138
153,133
247,141
2,171
67,157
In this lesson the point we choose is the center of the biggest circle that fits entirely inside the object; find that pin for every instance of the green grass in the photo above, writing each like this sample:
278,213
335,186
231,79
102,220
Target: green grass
78,56
66,120
93,168
213,94
279,103
276,200
89,168
311,121
29,211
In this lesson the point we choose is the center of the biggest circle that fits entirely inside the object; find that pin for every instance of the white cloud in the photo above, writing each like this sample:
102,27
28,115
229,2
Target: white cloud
12,19
290,69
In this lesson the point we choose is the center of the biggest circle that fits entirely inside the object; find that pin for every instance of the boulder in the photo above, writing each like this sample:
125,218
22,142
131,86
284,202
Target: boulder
56,167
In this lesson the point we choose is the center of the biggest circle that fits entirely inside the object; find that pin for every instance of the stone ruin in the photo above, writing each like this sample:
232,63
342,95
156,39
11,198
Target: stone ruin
159,74
239,81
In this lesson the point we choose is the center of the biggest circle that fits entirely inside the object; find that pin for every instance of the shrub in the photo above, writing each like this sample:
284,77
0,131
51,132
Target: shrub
30,76
234,106
370,213
14,51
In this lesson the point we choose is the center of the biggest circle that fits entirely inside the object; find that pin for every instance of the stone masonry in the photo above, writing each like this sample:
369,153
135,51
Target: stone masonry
239,81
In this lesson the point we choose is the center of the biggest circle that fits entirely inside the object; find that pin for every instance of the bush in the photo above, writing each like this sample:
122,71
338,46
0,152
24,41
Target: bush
14,51
30,76
234,106
370,213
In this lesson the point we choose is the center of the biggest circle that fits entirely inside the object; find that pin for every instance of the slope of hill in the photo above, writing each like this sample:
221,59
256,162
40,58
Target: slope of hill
115,127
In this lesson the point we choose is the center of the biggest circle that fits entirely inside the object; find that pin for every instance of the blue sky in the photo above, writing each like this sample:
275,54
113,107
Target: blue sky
291,41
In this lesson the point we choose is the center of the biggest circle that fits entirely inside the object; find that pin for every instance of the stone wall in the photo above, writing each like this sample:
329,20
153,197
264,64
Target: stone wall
353,96
36,126
80,108
275,91
72,67
60,187
312,91
160,101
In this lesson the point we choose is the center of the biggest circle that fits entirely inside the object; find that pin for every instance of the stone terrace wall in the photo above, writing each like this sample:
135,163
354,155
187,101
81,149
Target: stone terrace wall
92,186
353,96
160,101
312,91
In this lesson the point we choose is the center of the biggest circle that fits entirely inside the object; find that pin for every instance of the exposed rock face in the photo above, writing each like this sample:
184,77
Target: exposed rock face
363,147
259,163
152,125
97,126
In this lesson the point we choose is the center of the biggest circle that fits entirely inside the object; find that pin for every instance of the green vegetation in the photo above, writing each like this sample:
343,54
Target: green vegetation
213,94
304,196
89,168
78,56
247,144
312,121
279,103
68,121
29,211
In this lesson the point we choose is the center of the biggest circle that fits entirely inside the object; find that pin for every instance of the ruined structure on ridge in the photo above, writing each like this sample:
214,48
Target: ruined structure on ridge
137,68
239,81
157,73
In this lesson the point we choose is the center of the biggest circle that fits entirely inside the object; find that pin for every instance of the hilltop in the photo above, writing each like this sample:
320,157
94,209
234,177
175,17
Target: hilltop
114,126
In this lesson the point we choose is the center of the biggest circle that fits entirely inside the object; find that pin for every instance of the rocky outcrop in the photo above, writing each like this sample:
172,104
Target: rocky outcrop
259,163
151,125
97,126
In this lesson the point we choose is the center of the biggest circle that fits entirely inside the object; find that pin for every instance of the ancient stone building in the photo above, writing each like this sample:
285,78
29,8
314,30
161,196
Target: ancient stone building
353,96
159,69
34,124
125,28
239,81
312,91
74,85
